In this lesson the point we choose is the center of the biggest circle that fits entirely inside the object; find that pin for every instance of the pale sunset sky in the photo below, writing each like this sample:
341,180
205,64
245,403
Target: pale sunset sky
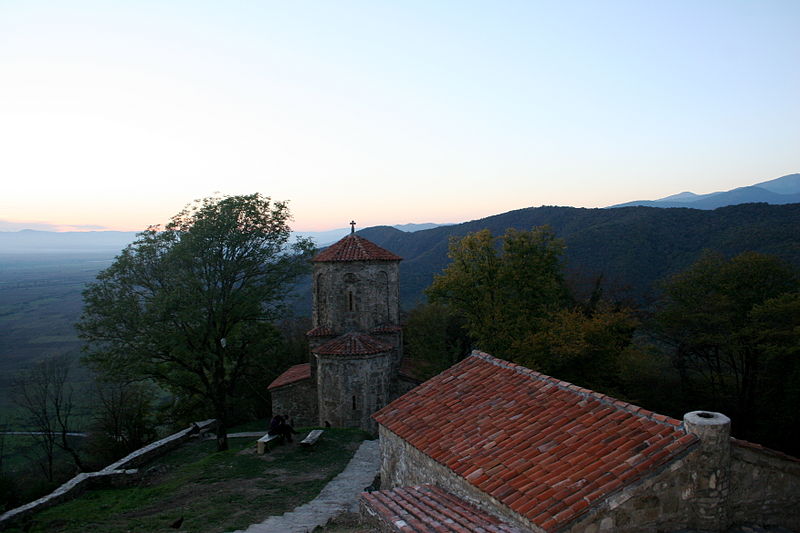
114,115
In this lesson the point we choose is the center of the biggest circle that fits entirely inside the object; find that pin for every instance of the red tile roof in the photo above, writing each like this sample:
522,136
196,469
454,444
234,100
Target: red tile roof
545,448
428,508
353,344
355,248
321,331
293,374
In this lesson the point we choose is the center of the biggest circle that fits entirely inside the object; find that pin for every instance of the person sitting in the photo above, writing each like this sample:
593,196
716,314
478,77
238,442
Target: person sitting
288,422
278,426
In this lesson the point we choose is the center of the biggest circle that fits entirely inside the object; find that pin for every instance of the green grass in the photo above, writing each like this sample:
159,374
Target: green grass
213,491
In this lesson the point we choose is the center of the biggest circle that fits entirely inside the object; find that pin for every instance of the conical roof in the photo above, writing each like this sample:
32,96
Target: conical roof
355,248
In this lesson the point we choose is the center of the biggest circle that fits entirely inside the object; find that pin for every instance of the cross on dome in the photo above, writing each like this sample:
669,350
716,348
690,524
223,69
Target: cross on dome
352,226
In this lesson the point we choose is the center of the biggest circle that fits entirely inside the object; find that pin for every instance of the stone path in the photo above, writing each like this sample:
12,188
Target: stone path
339,495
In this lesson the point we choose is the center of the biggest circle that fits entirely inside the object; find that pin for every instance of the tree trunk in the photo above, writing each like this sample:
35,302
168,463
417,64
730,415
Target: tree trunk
222,427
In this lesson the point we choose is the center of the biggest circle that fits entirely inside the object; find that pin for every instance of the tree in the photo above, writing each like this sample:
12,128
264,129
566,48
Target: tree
504,286
434,339
122,420
582,346
45,396
728,323
191,306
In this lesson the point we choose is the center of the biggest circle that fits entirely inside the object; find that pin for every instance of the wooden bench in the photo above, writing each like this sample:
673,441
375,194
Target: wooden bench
262,445
312,437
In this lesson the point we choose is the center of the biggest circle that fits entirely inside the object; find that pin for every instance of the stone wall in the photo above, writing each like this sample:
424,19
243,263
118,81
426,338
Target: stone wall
765,487
351,388
298,400
355,295
117,474
657,502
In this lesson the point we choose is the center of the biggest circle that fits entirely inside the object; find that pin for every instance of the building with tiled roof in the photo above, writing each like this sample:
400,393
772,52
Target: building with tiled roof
545,455
355,341
292,375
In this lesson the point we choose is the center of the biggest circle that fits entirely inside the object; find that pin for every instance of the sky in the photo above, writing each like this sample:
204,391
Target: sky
114,115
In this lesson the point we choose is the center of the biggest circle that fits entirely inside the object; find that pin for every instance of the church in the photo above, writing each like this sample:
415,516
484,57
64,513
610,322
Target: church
355,344
488,445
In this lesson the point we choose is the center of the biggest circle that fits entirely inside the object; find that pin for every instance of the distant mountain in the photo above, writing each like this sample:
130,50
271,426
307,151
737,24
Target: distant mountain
325,238
631,247
29,241
780,191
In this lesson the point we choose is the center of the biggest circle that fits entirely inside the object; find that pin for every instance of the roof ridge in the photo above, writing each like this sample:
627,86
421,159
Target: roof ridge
354,247
605,399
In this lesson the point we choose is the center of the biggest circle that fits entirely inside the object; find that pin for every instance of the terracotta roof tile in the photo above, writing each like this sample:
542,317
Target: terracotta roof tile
321,331
541,446
353,344
355,248
292,375
428,508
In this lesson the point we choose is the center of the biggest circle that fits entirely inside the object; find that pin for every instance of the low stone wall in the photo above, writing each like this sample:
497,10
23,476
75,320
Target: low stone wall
160,447
765,487
119,474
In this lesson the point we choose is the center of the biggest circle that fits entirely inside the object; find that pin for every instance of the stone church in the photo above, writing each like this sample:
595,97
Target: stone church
355,344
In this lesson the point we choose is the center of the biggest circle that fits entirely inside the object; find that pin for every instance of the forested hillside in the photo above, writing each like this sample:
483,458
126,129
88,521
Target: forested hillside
631,247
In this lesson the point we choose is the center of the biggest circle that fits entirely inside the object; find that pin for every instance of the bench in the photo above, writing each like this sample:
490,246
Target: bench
262,444
312,437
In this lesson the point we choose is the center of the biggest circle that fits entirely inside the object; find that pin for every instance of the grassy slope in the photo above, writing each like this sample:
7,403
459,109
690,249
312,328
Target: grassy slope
212,491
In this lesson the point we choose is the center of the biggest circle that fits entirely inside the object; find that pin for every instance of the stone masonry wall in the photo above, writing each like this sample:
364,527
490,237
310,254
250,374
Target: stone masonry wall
765,487
351,388
658,502
357,295
298,400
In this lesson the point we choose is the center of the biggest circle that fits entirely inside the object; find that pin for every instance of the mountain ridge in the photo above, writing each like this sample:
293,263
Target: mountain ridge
631,247
778,191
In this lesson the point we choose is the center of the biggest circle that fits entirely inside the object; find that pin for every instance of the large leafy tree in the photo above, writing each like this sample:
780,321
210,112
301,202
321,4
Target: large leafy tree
584,346
434,339
191,306
502,286
734,330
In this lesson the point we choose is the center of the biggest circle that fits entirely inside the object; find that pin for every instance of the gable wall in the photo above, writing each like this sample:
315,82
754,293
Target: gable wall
403,465
658,502
765,488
